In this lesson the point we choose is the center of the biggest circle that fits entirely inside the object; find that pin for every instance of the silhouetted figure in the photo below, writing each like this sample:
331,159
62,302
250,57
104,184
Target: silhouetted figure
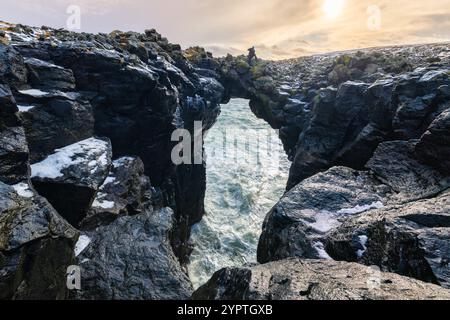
252,55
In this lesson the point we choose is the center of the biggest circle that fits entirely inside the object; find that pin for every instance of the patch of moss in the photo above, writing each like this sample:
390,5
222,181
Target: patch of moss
4,41
242,64
258,70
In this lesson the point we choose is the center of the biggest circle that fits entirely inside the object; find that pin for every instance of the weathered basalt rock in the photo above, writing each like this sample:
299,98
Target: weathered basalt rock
297,224
56,122
14,154
398,208
394,163
12,67
36,246
434,146
126,191
45,74
132,258
71,177
315,280
410,239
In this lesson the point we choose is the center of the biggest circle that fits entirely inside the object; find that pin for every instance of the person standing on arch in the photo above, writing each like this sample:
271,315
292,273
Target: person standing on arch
252,55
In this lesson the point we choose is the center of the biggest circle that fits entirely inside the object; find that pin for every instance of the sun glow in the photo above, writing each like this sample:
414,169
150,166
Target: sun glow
333,8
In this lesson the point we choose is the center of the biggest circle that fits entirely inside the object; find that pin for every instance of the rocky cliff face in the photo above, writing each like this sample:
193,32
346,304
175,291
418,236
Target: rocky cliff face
87,121
86,176
367,133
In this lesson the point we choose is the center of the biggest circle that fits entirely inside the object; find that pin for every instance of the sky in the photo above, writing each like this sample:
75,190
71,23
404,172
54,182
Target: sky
277,28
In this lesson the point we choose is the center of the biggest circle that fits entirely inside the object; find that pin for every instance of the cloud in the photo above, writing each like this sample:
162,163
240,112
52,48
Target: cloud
278,28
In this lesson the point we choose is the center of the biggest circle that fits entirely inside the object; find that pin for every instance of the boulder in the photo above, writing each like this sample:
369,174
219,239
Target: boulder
43,74
410,239
410,116
71,177
36,246
294,279
52,123
132,259
126,191
298,223
14,152
12,67
332,119
434,146
395,165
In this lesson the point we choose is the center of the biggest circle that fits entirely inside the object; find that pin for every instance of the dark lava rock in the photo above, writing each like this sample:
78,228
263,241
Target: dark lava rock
126,191
12,67
294,279
52,123
141,88
36,246
399,208
71,177
395,165
14,153
132,259
434,146
297,224
410,239
48,75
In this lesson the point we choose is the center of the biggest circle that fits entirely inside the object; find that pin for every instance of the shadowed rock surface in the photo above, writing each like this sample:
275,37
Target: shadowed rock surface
132,258
398,209
126,191
14,154
315,280
36,246
410,239
70,178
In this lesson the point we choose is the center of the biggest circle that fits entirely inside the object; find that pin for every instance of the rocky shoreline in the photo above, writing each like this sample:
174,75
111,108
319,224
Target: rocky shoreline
86,176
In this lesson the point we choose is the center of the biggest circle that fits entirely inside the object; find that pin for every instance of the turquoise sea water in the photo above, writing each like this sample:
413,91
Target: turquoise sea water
247,171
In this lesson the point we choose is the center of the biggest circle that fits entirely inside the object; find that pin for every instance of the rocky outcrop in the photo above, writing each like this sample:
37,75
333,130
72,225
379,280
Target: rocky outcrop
71,177
409,239
297,224
54,121
132,258
126,191
14,154
397,208
58,90
132,88
44,74
335,109
366,131
434,146
315,280
36,246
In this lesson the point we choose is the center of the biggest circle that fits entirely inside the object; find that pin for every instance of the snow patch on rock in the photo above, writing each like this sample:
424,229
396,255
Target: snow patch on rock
103,204
23,190
363,242
325,221
34,93
52,166
25,108
320,249
363,208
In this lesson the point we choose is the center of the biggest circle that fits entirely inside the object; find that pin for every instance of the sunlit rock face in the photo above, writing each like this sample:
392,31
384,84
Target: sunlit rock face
294,279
